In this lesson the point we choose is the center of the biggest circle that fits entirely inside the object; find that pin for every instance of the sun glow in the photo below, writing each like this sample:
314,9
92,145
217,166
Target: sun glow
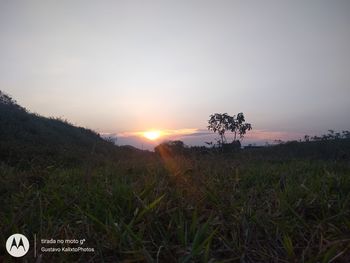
152,135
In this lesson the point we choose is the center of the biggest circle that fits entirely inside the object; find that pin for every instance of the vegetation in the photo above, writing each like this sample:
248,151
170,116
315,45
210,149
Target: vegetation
172,148
221,123
284,203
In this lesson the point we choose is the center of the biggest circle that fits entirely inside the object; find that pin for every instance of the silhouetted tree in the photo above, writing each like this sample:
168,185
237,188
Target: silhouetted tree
345,134
222,122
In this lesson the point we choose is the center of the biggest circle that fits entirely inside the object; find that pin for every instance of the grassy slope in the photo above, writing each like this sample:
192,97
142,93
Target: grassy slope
29,140
250,207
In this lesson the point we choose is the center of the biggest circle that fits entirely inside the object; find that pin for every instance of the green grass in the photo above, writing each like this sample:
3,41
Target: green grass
206,209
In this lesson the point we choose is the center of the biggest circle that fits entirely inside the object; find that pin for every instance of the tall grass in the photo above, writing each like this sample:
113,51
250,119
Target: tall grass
203,209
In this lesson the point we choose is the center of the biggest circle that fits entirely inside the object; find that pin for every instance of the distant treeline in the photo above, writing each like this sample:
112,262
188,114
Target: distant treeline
331,135
334,145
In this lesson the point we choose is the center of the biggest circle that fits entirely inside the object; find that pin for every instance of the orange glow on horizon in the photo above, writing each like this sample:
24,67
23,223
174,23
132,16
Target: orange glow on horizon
152,135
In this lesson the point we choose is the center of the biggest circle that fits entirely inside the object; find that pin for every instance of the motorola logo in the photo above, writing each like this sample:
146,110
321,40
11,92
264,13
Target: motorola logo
17,245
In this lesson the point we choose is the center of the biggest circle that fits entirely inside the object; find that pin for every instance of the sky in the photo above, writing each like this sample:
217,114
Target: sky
123,67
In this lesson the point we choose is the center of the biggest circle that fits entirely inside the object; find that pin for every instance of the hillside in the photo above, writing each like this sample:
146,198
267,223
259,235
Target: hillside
29,139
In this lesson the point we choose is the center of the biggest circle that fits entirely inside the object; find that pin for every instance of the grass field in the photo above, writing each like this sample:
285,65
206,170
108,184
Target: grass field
200,208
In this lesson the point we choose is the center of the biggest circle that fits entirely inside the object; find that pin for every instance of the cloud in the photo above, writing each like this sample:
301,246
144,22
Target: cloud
197,134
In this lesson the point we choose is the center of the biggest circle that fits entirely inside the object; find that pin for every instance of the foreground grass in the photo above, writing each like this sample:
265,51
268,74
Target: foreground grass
179,209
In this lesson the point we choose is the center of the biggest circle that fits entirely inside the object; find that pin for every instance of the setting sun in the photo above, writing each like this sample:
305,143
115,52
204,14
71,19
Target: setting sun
152,135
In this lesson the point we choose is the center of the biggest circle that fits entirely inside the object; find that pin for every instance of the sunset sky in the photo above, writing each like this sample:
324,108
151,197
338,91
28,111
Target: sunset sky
124,67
